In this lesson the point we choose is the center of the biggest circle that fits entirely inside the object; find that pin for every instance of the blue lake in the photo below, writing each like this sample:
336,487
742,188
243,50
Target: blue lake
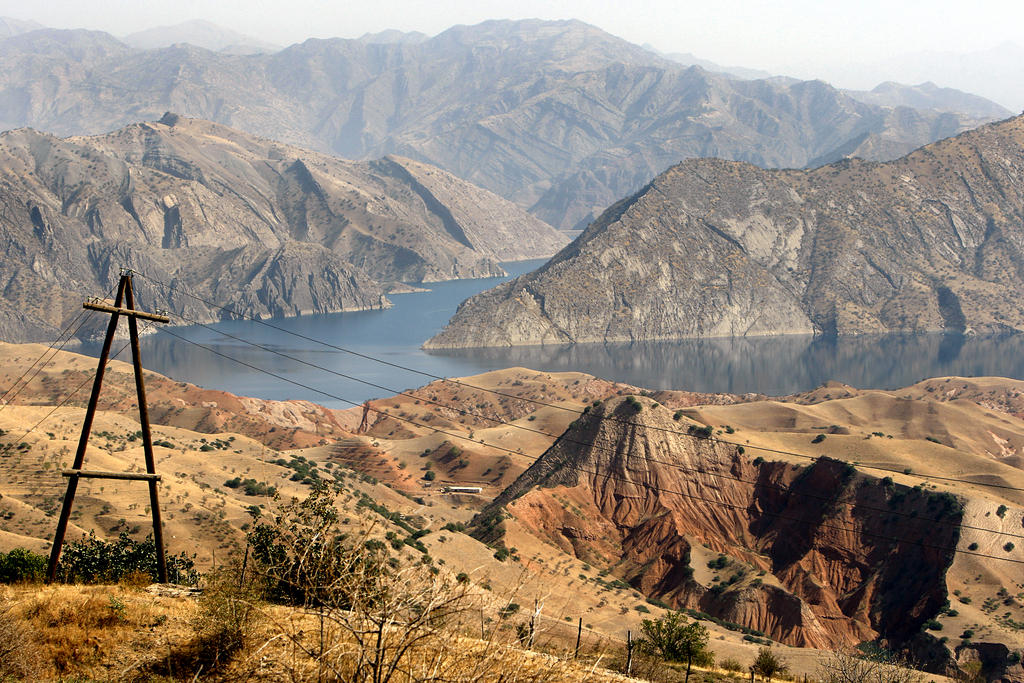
769,365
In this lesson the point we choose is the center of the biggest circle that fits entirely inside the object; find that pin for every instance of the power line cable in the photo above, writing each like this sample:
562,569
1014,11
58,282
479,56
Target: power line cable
607,475
765,449
539,432
85,314
69,396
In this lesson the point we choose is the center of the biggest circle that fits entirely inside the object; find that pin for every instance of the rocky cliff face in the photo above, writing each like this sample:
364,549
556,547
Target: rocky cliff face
930,241
560,117
817,556
262,227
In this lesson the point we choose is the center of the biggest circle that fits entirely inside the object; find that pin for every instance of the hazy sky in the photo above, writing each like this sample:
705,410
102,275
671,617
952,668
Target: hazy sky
804,38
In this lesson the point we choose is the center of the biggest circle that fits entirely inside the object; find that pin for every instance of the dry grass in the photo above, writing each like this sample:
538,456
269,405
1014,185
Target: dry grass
17,646
95,631
113,633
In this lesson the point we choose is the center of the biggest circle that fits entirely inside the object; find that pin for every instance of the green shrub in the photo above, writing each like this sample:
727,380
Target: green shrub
719,562
92,560
22,566
769,664
675,640
731,665
702,432
818,439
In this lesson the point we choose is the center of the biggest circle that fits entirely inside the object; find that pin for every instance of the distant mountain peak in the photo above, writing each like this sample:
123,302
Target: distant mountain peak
200,33
392,36
929,96
931,241
13,27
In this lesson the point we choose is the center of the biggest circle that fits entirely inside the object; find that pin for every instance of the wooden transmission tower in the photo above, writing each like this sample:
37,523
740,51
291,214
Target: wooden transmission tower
124,305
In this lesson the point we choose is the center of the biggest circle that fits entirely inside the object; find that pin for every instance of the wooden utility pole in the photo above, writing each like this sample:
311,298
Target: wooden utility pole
629,652
124,305
579,637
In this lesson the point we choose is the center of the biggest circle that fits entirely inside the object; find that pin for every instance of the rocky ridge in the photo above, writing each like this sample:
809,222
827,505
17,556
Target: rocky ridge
557,116
803,557
261,227
930,241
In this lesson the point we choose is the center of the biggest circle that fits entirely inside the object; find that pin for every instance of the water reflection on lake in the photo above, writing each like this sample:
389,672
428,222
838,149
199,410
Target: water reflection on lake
776,365
770,365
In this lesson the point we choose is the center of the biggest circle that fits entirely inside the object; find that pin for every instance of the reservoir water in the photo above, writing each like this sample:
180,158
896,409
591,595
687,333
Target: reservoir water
768,365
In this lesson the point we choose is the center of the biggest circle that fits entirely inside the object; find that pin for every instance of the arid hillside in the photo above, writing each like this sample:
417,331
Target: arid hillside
816,521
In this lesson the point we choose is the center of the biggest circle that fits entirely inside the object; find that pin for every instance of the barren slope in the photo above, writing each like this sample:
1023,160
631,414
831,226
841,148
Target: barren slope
264,228
710,248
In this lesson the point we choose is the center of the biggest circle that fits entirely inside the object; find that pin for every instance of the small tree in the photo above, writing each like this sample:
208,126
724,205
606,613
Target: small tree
768,664
675,640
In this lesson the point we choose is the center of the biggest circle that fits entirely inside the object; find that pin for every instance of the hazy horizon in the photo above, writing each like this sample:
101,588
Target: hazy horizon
849,46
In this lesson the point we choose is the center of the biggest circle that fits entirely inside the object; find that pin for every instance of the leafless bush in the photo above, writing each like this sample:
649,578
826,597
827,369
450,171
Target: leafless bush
852,667
360,614
229,609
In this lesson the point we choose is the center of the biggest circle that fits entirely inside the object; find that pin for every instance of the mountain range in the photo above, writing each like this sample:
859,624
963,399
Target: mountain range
201,34
556,116
996,72
261,227
712,248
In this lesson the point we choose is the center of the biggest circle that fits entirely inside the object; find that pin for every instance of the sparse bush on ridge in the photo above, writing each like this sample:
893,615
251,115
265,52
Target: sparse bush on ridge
675,640
731,665
769,664
703,432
